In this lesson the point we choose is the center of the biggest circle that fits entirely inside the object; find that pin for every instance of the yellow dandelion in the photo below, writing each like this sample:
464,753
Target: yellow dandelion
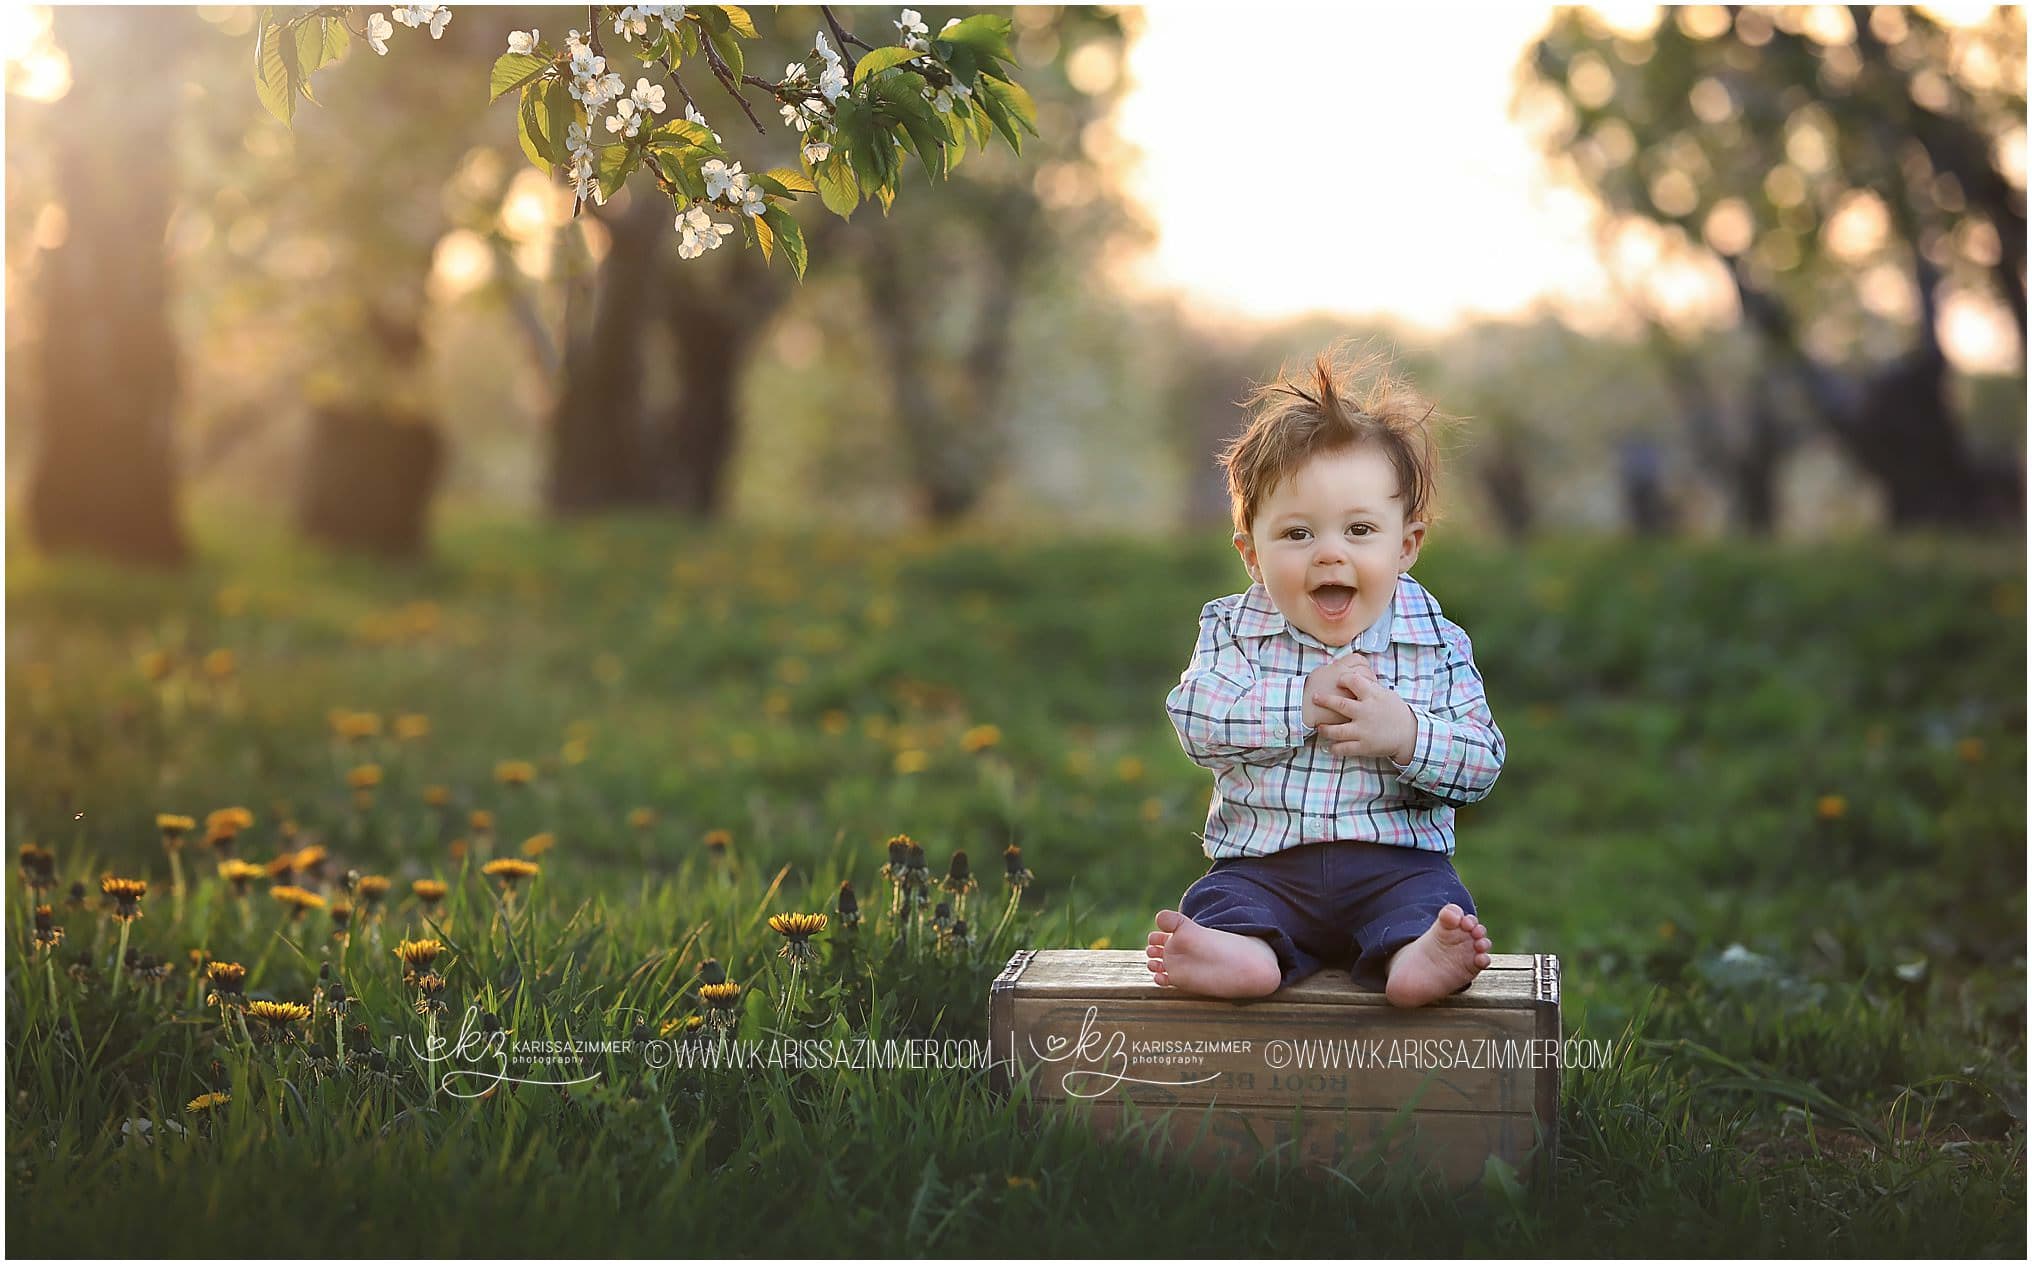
980,738
642,818
1832,808
173,827
229,978
721,996
419,955
429,890
355,726
437,796
228,821
373,888
514,772
834,723
310,858
481,821
1129,768
38,867
1970,750
718,841
156,665
412,726
126,894
278,1014
537,845
300,900
240,873
220,664
207,1102
510,870
911,760
364,777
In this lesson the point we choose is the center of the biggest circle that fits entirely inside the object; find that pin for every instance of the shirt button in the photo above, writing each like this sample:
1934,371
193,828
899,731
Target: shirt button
1278,731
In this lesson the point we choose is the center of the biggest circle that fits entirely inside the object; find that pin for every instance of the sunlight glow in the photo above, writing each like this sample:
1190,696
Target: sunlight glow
1365,174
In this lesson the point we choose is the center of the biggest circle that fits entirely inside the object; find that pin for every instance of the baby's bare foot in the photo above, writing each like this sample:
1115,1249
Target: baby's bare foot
1453,950
1196,959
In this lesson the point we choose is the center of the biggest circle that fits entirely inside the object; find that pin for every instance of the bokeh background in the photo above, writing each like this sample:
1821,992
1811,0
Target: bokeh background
356,420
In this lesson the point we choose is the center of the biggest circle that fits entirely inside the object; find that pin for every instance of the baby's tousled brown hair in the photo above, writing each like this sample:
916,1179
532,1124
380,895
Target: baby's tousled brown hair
1347,398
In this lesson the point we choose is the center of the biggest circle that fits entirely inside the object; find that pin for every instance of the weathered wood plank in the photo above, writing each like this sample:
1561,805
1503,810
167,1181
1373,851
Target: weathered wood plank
1458,1059
1511,979
1468,1077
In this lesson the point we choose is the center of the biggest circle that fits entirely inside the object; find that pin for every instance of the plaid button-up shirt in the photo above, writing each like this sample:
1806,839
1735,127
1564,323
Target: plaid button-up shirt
1239,710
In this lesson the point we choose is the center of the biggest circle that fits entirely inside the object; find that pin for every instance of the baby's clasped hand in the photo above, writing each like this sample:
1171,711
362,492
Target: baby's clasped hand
1356,714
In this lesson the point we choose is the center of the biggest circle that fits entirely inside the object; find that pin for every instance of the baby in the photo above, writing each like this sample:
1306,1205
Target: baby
1341,713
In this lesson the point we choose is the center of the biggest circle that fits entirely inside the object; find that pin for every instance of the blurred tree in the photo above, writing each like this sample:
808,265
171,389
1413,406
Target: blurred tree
1822,155
941,282
105,478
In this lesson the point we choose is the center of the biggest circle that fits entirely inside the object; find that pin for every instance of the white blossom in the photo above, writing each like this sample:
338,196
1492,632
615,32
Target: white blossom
523,42
816,152
748,199
578,141
433,15
825,50
626,118
720,177
691,115
794,74
950,23
700,233
832,81
648,96
943,102
913,30
803,114
378,31
631,22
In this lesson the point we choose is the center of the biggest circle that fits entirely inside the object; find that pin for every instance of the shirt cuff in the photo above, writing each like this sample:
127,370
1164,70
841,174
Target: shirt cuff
1431,752
1284,712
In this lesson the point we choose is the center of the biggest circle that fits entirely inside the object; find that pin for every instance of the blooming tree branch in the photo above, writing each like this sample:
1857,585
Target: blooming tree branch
855,120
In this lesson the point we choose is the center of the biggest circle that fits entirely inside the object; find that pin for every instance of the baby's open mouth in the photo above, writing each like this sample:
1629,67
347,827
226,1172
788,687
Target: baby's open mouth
1333,600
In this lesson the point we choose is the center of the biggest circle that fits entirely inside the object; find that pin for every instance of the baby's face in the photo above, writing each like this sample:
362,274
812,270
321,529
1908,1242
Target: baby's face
1330,542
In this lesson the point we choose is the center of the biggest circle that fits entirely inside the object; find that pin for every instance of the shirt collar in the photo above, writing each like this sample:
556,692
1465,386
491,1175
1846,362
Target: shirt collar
1413,616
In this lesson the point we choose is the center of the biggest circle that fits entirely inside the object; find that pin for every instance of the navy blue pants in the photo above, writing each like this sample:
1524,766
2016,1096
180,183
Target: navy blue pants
1326,904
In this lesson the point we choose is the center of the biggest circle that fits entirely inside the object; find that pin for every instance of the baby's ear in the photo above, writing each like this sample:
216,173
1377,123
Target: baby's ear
1414,540
1247,548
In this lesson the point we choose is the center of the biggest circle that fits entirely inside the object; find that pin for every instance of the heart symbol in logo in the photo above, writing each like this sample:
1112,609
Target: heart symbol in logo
1054,1044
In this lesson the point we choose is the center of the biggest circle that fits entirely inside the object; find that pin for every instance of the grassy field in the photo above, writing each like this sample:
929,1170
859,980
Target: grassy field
1766,803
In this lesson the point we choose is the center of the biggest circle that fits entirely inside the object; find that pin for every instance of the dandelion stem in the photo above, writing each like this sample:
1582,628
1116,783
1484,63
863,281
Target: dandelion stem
120,958
1015,896
176,883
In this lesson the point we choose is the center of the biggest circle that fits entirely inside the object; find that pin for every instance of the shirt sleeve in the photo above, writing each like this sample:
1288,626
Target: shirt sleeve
1226,712
1459,751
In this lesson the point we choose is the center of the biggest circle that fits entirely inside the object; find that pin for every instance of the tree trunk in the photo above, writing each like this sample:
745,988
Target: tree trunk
598,451
716,309
369,476
105,475
954,438
1506,478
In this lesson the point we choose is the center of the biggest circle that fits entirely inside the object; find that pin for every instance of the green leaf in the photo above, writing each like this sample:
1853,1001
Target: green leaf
711,18
792,180
511,71
529,131
682,133
615,163
738,19
985,33
837,187
1008,107
274,80
558,112
789,236
729,49
882,59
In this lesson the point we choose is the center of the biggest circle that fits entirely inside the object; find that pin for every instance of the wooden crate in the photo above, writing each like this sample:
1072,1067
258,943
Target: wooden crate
1448,1084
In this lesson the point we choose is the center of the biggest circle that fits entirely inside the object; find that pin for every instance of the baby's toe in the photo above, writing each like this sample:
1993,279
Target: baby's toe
1159,937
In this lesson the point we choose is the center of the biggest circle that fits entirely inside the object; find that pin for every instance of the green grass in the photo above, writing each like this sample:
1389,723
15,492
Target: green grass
1766,802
